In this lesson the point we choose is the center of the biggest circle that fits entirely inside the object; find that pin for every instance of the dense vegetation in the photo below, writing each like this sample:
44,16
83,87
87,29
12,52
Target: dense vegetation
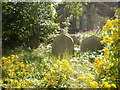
38,67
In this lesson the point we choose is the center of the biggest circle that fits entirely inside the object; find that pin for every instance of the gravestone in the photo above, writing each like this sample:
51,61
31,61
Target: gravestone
62,45
91,43
75,39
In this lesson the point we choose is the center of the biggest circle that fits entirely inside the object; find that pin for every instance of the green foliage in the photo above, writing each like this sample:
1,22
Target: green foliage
75,8
24,19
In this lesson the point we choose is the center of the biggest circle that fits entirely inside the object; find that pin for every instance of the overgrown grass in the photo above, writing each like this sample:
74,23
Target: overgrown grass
39,68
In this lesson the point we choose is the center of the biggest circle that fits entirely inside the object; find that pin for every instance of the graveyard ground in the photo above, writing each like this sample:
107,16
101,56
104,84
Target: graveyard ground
39,68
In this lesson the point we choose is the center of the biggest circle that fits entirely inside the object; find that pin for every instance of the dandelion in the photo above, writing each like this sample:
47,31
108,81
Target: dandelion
94,84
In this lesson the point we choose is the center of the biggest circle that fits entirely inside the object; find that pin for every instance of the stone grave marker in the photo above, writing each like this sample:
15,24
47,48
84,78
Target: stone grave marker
91,43
62,45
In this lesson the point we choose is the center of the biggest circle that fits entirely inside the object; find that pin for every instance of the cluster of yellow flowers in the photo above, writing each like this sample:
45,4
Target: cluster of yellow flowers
106,85
108,65
89,80
103,66
60,72
15,73
111,30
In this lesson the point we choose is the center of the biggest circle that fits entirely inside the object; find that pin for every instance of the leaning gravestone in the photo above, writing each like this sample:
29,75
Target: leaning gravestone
62,45
91,43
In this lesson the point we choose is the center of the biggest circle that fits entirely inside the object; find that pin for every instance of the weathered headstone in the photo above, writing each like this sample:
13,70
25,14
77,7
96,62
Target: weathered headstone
75,39
91,43
62,45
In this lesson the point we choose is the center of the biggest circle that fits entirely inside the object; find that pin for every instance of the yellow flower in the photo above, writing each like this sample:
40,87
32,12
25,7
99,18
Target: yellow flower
13,56
44,74
102,41
86,81
24,85
21,64
94,84
4,58
55,65
64,76
82,78
100,71
59,62
109,66
106,54
27,66
113,85
53,71
107,86
91,76
65,61
104,83
110,39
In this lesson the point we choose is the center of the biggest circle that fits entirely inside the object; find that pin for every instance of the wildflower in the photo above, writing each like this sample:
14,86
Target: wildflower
24,85
100,71
53,71
55,65
44,80
44,74
106,54
94,84
27,66
13,56
109,66
21,64
104,83
64,76
110,39
113,85
65,61
102,41
90,76
59,62
82,78
86,81
4,58
107,86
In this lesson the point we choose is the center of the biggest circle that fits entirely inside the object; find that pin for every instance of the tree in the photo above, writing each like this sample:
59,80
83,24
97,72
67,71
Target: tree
22,20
